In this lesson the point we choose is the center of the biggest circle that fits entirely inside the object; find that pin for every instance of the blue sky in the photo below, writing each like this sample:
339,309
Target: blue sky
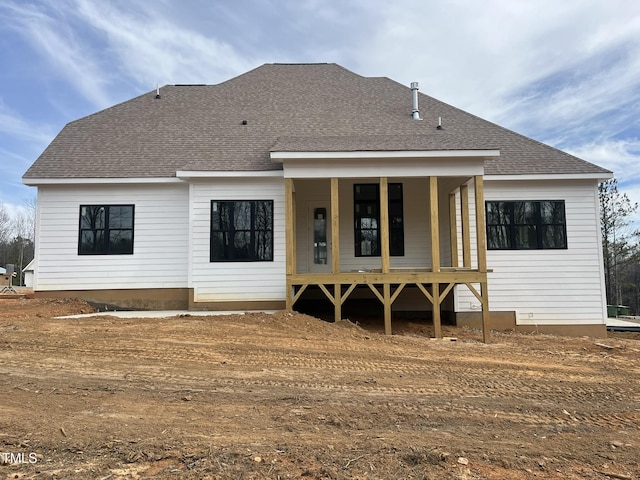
566,72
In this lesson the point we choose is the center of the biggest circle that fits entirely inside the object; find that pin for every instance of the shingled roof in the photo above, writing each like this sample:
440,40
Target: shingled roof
235,125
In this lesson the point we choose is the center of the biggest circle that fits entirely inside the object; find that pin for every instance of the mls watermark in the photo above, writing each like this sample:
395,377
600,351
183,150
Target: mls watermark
18,458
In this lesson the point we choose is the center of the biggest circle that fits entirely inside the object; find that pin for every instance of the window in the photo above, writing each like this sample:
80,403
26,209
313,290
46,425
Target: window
366,201
106,230
526,225
241,231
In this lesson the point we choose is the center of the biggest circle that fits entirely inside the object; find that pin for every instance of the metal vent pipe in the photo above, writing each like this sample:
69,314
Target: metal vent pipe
414,93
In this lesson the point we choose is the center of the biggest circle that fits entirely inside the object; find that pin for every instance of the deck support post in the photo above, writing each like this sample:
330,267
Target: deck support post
335,249
384,225
290,238
337,302
464,214
453,230
386,295
481,241
435,225
437,324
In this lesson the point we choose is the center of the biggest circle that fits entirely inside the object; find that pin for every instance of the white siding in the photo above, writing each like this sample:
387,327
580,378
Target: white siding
160,250
548,286
236,281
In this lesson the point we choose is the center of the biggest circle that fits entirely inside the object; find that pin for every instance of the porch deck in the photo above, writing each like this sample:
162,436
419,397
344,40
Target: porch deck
337,287
435,281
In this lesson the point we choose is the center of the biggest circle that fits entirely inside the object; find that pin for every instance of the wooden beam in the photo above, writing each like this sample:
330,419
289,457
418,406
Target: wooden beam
486,330
386,288
466,223
374,289
337,302
437,325
384,225
453,230
327,293
346,294
475,292
397,292
481,231
435,224
289,299
335,227
289,214
392,278
425,292
446,291
294,227
290,240
299,293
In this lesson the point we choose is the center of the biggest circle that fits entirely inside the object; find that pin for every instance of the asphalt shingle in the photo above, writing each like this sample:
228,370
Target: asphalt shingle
293,107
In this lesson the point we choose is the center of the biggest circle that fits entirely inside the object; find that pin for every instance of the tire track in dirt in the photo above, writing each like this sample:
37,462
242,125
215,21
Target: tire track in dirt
441,387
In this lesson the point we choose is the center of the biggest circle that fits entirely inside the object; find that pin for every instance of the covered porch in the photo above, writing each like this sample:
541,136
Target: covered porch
400,231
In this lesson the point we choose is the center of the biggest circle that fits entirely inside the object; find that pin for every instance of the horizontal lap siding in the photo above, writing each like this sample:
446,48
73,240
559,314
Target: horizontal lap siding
417,240
548,286
236,281
160,248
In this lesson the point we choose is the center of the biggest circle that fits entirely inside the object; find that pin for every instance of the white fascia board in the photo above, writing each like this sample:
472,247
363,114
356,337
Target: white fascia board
552,176
279,156
186,174
34,182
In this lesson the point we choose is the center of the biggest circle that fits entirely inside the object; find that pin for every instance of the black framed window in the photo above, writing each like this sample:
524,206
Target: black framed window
241,231
106,230
366,205
526,225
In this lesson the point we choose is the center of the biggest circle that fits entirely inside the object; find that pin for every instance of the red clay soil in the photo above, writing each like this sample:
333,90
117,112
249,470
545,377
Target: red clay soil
261,396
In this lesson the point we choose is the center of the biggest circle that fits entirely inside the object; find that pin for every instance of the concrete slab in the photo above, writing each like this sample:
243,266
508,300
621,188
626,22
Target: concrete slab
628,324
163,313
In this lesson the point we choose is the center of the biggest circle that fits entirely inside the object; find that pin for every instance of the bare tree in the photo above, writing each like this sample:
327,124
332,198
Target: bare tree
619,250
22,231
5,232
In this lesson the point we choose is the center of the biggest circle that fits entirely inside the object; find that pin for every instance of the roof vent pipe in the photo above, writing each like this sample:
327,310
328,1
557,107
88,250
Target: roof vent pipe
414,93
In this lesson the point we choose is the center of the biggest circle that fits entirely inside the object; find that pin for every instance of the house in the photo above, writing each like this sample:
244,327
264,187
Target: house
28,274
297,181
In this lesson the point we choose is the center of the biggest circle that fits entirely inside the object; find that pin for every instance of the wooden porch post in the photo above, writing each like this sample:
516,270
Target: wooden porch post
481,236
384,251
466,238
386,290
384,225
437,324
335,227
290,238
435,225
453,230
335,249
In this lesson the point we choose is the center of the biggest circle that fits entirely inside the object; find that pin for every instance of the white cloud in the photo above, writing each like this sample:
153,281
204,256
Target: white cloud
623,158
149,48
620,156
48,32
476,55
12,124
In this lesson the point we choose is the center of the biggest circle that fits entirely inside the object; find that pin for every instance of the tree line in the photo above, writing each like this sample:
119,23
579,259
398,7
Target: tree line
620,247
17,237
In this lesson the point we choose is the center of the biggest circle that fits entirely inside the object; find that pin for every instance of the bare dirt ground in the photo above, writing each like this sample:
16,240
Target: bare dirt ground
261,396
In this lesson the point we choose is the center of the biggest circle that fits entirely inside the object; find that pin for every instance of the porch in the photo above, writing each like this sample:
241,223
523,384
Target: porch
355,250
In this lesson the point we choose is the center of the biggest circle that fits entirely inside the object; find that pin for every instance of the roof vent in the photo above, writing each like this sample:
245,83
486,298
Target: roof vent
158,92
414,93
